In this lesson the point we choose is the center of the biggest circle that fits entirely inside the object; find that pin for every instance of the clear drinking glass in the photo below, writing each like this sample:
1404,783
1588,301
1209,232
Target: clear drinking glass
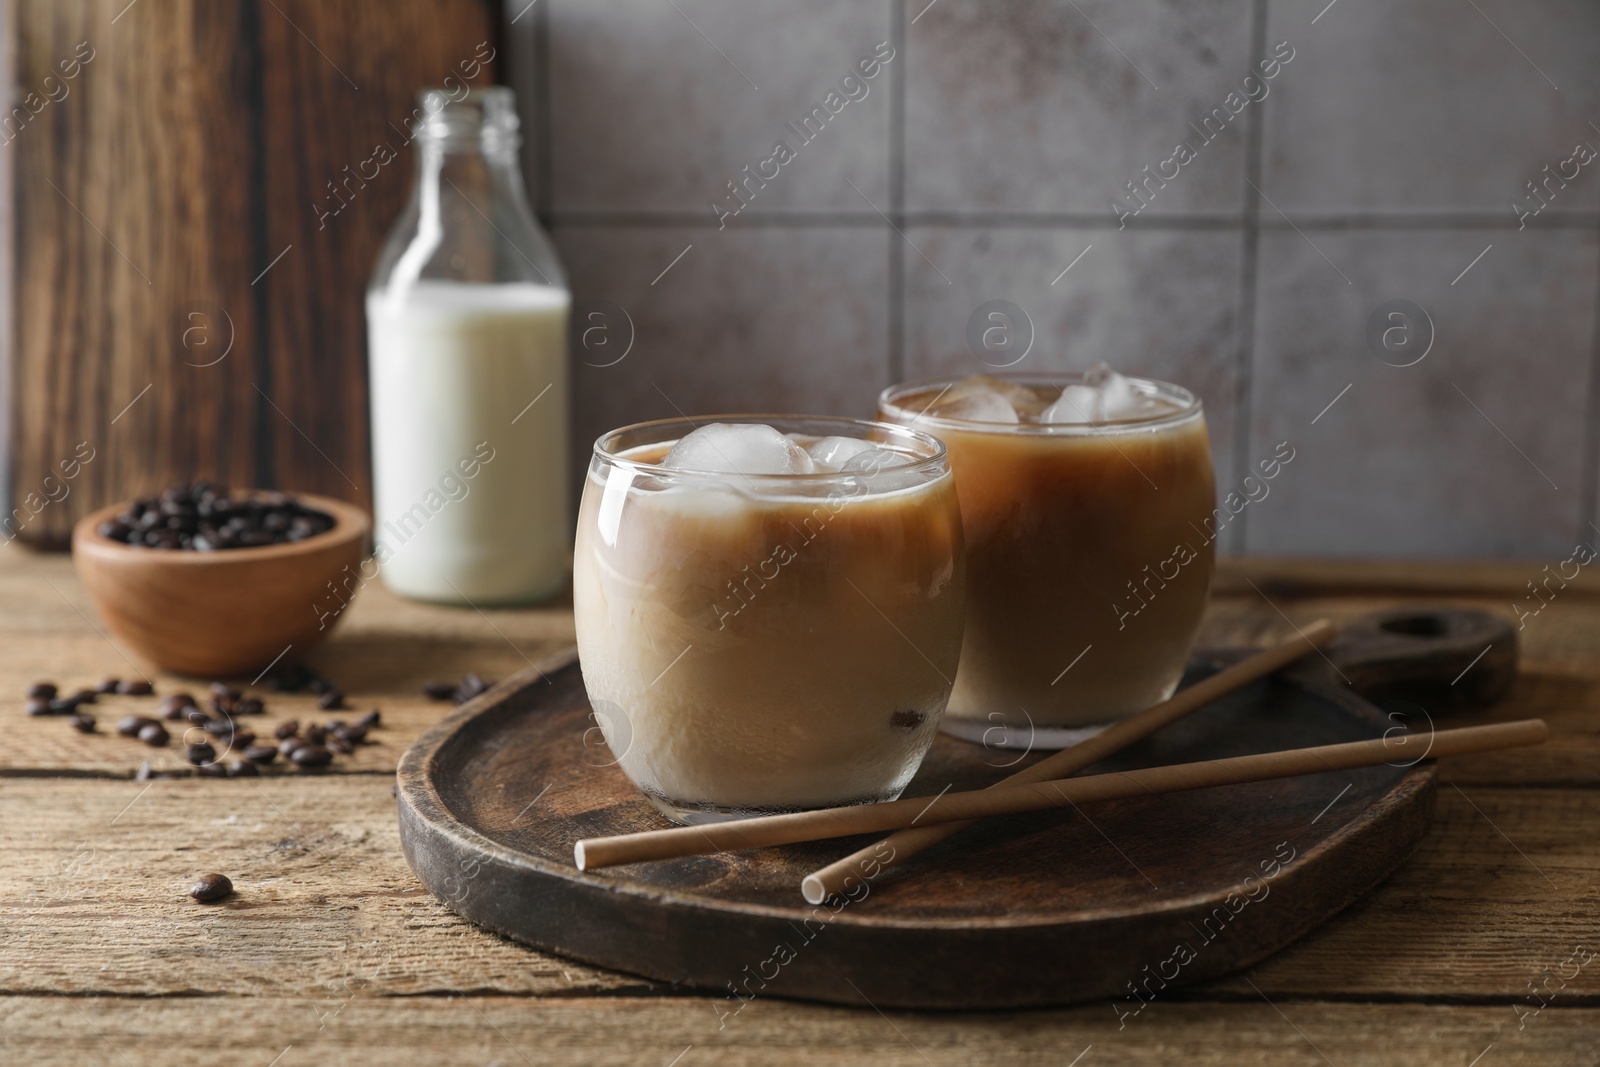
1089,555
467,325
766,643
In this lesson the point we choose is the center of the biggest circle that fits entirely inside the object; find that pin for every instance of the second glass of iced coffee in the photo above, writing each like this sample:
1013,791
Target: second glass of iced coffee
1087,505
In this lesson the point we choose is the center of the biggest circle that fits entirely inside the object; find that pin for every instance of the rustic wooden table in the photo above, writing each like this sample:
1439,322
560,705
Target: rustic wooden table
1481,951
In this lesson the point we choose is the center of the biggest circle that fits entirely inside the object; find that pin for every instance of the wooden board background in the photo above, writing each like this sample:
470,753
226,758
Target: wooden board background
332,952
189,153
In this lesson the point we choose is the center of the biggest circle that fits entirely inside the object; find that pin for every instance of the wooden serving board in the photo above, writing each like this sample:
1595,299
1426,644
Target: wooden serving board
1120,900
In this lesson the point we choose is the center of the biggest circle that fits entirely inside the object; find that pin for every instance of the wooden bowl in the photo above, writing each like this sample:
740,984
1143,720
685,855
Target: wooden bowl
229,612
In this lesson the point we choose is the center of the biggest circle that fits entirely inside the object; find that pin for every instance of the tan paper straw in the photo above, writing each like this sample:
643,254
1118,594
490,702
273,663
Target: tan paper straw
819,885
1038,796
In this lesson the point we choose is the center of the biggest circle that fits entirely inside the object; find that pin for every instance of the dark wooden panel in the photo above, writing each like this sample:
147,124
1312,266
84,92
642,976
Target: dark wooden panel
329,108
191,147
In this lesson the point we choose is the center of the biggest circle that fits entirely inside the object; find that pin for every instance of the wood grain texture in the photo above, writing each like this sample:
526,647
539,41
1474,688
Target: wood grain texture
1048,908
612,1032
341,953
92,876
342,81
185,155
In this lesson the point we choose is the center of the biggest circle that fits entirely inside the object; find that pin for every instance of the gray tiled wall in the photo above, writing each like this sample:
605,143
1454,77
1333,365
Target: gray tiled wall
1381,164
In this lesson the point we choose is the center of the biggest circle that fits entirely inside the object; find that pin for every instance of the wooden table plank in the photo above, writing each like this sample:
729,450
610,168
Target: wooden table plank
92,879
624,1032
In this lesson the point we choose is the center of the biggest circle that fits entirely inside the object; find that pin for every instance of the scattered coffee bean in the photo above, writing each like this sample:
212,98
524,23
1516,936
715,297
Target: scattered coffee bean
63,706
197,717
84,696
353,734
332,700
40,706
131,725
260,753
42,691
204,518
241,738
218,727
108,686
340,745
211,887
214,769
440,690
135,687
250,706
311,756
289,745
315,734
287,729
370,719
83,723
155,735
176,706
243,769
471,685
201,753
907,718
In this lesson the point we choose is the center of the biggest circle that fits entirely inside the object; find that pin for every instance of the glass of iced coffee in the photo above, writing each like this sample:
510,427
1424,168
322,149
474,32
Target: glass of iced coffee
769,609
1087,505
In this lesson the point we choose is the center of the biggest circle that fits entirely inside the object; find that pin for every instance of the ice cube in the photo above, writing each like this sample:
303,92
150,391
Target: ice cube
1104,396
976,400
881,470
832,453
1076,404
738,448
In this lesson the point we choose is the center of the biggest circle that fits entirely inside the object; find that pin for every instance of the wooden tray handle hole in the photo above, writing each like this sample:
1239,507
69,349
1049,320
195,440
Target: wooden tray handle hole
1416,626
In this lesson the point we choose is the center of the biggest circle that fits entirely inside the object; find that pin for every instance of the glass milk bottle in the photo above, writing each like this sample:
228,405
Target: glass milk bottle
467,359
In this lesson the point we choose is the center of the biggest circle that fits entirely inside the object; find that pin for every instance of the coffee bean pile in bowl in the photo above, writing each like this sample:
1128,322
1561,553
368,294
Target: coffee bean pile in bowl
204,518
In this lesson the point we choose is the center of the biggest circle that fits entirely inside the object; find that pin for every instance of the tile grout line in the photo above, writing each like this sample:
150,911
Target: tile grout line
1249,277
896,362
1589,465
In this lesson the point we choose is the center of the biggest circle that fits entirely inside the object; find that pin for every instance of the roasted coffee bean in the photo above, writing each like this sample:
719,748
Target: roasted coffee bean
440,690
250,706
289,745
108,686
205,517
332,700
242,769
196,717
84,696
241,738
130,726
287,729
225,692
370,719
40,706
218,727
340,745
213,769
42,691
311,756
200,753
315,734
173,705
83,723
471,685
260,753
211,887
135,687
353,734
64,705
155,735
